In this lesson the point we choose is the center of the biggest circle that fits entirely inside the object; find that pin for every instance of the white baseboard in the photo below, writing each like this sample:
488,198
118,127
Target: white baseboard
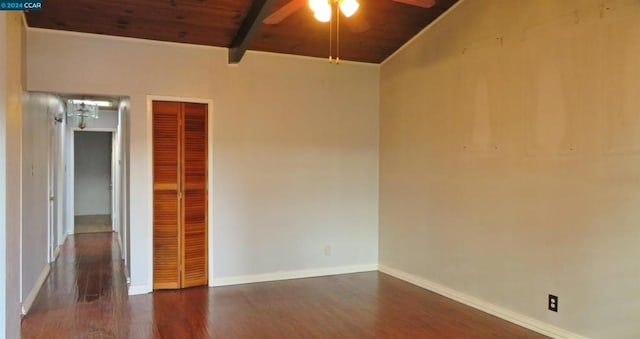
31,297
500,312
140,289
56,252
286,275
64,239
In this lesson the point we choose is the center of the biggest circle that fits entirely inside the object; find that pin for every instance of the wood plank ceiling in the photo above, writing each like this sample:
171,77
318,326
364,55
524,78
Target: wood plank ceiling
217,23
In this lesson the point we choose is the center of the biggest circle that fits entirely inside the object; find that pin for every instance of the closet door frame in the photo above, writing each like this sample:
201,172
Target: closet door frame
149,224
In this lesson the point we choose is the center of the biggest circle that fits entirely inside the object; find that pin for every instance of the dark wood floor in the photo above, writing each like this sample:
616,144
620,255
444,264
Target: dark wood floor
85,297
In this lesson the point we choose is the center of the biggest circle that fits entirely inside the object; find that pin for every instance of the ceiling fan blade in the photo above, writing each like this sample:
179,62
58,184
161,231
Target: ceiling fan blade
419,3
358,23
284,12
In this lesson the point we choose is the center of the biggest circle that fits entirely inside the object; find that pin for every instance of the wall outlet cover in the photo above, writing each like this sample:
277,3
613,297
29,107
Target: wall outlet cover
553,303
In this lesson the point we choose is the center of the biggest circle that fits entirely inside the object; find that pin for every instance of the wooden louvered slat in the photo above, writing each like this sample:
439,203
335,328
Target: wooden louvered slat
194,143
166,207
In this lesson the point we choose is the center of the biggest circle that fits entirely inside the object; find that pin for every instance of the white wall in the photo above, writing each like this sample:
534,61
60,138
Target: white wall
295,146
12,65
92,161
510,159
40,140
35,188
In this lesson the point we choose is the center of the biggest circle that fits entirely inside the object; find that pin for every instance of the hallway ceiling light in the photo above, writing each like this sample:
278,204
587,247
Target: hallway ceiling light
82,109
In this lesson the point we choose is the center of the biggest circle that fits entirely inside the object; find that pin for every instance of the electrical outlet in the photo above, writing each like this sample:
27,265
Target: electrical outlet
553,303
327,250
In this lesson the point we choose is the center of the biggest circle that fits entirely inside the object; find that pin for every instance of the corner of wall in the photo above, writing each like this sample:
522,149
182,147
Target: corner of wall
422,32
139,289
11,84
500,312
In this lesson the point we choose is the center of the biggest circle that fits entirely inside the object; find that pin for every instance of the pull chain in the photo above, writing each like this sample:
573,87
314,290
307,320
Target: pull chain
334,4
331,39
337,34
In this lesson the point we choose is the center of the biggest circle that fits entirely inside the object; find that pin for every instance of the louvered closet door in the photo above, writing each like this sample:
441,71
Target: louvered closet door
194,239
179,195
166,206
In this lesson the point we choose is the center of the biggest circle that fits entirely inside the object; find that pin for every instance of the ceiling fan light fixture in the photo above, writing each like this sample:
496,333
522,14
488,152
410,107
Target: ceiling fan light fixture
349,7
315,5
323,12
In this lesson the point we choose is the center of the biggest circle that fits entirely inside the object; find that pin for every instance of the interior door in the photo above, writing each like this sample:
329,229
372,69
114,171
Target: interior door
179,194
194,239
166,208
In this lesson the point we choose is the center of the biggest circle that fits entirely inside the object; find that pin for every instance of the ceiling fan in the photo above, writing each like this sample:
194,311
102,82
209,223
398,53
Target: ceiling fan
357,24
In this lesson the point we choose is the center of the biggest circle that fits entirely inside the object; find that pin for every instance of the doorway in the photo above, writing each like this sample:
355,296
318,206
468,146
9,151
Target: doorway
93,182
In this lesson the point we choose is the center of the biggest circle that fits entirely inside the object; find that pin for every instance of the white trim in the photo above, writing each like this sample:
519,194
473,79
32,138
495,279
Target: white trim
209,103
71,177
287,275
423,31
139,289
209,190
149,129
115,188
119,241
500,312
151,98
28,301
57,251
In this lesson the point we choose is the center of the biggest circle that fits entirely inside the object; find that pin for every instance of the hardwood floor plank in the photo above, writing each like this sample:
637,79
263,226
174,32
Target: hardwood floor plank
85,296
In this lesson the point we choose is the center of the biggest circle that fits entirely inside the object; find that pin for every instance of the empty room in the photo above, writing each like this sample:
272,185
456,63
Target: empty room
320,169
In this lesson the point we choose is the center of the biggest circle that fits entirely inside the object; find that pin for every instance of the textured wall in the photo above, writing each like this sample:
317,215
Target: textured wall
510,159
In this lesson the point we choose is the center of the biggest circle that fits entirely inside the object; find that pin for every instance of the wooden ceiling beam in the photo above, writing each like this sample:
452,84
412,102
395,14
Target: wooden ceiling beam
249,28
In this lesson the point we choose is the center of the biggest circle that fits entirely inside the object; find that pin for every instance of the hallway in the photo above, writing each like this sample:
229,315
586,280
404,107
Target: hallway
85,296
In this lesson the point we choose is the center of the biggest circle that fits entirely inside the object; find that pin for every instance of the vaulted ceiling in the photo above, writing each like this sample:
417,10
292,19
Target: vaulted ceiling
377,29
